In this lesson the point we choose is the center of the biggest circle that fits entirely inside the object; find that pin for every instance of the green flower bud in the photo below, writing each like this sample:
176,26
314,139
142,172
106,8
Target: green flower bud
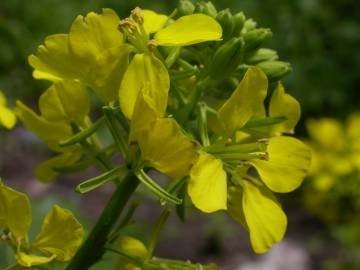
186,7
224,17
261,55
255,38
209,9
227,58
238,22
275,70
249,25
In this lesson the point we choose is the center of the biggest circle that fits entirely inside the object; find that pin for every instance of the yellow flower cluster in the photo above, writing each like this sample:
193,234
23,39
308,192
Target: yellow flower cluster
59,238
335,170
249,154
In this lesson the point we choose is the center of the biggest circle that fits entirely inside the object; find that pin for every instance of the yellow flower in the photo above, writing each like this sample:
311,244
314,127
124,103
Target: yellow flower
281,164
145,70
7,117
64,103
93,52
162,142
59,238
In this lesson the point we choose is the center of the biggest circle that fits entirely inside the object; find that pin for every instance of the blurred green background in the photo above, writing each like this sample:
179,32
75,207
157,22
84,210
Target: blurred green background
321,39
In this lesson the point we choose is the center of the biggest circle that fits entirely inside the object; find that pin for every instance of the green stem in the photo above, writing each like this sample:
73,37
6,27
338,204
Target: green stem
202,123
156,231
120,141
93,248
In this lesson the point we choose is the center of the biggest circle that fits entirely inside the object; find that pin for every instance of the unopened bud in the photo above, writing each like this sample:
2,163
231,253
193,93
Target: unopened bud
255,38
261,55
275,70
238,23
249,25
224,17
207,8
186,7
227,58
138,15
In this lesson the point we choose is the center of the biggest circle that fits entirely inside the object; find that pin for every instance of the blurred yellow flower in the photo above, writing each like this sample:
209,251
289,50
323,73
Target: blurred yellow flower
59,238
7,117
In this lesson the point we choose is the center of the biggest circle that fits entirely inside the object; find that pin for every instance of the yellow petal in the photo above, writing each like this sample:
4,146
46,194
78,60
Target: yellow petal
327,132
265,219
144,71
153,21
61,234
106,73
54,61
29,260
283,104
287,166
188,30
207,187
144,115
166,148
93,34
7,118
50,132
246,101
15,211
133,247
45,171
65,101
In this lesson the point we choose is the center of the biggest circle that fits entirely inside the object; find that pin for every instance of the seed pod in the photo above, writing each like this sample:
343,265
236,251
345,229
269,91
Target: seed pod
255,38
238,23
227,58
275,70
261,55
224,17
186,7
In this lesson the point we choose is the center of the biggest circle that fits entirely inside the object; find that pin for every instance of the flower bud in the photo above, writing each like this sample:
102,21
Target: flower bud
207,8
186,7
224,17
249,25
255,38
227,58
238,22
261,55
275,70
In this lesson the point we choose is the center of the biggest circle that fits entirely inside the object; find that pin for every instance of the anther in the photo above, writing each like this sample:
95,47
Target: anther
264,156
138,15
152,44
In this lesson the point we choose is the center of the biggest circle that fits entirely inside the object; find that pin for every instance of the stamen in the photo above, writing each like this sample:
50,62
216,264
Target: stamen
138,15
152,44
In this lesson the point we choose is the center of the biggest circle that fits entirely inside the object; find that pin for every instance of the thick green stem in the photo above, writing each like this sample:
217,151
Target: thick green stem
93,248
